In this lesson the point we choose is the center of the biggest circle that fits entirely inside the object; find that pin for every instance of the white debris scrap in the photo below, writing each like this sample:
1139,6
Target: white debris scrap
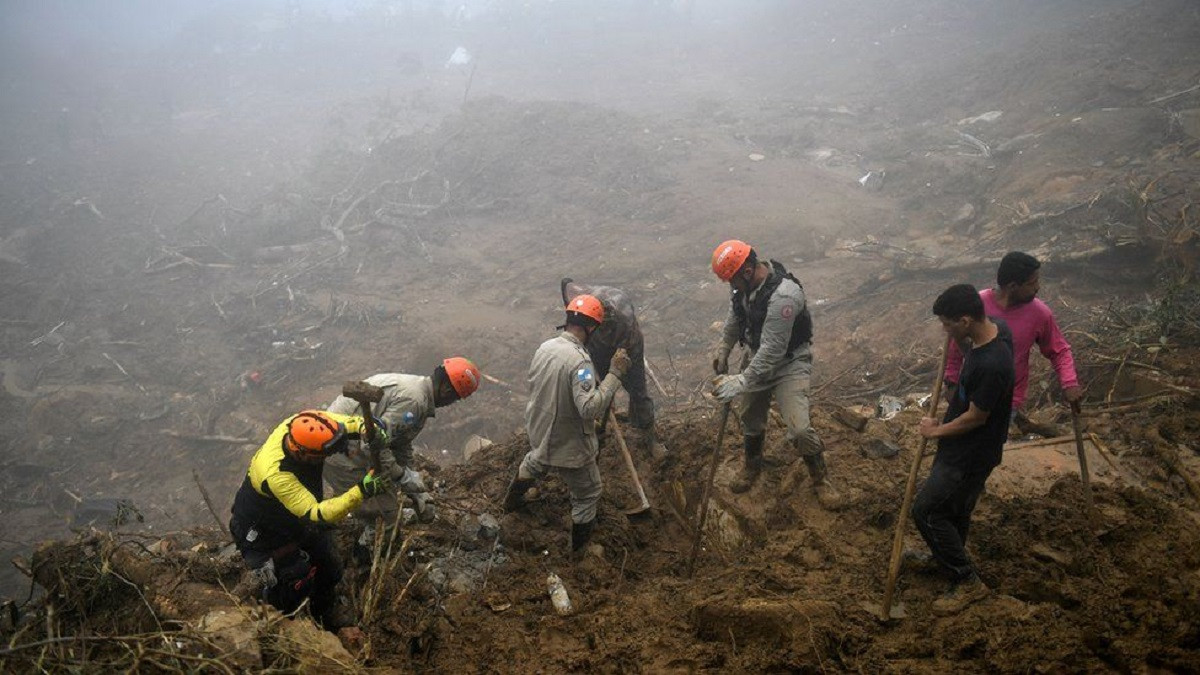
460,57
989,116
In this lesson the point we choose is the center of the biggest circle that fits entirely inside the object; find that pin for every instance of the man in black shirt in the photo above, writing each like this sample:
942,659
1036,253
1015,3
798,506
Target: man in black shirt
970,440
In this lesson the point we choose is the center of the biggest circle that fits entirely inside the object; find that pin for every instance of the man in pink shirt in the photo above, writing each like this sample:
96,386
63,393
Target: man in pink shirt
1015,301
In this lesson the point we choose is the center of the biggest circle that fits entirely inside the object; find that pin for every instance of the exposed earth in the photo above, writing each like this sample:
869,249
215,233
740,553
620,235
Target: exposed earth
178,278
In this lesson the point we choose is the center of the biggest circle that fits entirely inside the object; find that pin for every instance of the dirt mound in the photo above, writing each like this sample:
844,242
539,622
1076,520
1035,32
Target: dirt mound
780,584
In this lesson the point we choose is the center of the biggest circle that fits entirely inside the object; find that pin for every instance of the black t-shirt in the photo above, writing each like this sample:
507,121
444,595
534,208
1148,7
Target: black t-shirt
987,381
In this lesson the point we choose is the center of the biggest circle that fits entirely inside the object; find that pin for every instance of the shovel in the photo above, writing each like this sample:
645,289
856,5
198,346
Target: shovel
1083,467
886,609
644,507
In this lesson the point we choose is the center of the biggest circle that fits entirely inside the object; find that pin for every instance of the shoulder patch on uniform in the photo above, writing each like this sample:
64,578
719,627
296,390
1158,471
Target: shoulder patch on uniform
409,417
787,310
585,377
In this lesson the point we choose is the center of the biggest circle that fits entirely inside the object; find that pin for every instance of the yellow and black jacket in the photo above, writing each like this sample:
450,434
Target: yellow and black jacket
281,497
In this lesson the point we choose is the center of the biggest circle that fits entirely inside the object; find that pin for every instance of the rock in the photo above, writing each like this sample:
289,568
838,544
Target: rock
352,638
489,527
314,650
473,445
852,417
1044,552
236,635
878,448
437,579
461,583
965,213
468,530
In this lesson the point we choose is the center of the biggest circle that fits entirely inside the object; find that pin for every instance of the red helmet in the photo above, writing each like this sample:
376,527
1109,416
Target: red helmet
587,305
729,257
313,435
463,375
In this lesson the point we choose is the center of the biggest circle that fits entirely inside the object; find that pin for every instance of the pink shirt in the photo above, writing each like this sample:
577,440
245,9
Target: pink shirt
1031,322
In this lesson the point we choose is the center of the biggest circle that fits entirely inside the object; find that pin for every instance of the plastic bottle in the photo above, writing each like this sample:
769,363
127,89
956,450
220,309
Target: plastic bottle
558,595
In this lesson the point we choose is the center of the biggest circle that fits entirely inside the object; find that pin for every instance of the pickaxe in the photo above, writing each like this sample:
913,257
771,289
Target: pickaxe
366,394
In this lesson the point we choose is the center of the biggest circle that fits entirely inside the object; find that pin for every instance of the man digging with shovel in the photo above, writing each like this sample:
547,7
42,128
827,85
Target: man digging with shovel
970,441
565,401
620,330
769,316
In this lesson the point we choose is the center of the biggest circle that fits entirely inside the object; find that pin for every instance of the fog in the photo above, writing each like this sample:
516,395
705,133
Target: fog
214,213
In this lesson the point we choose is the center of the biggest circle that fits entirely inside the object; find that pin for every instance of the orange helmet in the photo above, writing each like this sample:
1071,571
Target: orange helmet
463,375
587,305
729,257
313,435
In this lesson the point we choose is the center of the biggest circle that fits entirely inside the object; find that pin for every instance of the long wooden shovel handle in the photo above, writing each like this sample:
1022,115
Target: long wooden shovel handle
712,472
1083,467
902,520
612,422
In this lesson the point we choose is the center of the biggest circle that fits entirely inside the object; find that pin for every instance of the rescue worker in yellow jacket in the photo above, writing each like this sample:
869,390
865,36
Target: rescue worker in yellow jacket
280,516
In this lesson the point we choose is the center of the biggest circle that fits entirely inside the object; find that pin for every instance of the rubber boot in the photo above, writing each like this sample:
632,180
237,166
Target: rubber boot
753,466
581,533
514,497
827,495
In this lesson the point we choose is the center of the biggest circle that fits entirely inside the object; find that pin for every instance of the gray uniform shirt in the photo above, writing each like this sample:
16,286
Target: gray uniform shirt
407,402
769,364
564,403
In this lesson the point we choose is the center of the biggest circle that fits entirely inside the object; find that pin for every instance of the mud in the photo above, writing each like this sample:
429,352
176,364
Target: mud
171,291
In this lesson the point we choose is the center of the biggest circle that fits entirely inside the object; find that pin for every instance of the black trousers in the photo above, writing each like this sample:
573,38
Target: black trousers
942,512
641,406
309,569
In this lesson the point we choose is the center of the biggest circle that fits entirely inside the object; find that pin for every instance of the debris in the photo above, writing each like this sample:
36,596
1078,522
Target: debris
558,595
1044,552
489,527
473,445
756,157
888,407
852,416
965,213
872,180
460,57
497,603
984,150
989,116
878,448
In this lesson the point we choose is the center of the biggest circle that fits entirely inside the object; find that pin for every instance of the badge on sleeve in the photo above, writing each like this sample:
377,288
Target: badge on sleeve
409,418
786,311
586,379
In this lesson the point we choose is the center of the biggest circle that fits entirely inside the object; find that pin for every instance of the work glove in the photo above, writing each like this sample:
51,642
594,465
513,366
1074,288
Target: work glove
620,363
423,505
721,362
727,387
373,486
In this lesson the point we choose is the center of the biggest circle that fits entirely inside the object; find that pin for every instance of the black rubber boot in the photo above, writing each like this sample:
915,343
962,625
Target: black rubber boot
581,533
753,466
514,497
827,495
